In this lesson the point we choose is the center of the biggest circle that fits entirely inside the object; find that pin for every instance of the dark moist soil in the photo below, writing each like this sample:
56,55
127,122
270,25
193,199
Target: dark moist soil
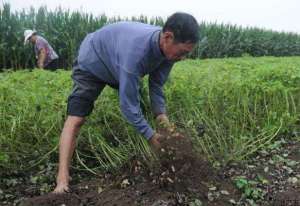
180,177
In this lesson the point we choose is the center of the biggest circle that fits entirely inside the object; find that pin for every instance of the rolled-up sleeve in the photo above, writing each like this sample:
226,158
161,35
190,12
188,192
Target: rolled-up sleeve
130,103
156,81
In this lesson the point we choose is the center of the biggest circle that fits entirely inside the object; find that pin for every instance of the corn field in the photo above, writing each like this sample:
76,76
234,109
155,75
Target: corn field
65,30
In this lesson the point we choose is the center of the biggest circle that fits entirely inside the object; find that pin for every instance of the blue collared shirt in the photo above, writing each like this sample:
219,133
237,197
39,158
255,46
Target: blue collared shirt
122,54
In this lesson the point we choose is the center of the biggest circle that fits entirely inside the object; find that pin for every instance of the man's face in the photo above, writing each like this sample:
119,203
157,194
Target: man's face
32,39
175,51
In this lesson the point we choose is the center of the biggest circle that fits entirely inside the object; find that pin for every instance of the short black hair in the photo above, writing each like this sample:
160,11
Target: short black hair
184,27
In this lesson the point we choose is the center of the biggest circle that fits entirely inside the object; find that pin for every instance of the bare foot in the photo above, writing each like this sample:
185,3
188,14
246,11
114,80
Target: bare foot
61,189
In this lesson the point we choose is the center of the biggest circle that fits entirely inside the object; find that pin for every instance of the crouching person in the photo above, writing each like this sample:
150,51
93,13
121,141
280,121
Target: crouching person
120,55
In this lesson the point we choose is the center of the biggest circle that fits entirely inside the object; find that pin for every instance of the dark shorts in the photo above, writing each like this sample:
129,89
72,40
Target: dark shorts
86,89
52,66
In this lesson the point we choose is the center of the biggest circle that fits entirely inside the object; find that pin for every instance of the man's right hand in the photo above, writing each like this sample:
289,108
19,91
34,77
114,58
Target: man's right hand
155,140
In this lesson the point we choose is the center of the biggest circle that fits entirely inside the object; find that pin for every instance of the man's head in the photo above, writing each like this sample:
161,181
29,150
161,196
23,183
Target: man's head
179,36
29,36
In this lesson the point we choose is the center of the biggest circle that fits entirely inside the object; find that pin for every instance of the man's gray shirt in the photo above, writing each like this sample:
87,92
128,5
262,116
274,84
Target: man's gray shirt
42,43
121,54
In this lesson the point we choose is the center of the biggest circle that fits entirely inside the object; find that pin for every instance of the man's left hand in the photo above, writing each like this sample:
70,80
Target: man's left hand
163,121
40,65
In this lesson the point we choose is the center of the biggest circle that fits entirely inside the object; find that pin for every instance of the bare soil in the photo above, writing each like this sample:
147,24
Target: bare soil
179,177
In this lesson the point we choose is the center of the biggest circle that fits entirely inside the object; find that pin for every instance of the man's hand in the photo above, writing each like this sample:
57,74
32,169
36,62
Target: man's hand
163,120
40,65
155,140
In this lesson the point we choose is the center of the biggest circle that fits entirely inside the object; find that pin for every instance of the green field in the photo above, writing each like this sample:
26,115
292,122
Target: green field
245,104
233,104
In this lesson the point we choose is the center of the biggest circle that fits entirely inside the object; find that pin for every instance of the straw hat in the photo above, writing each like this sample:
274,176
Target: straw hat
27,34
